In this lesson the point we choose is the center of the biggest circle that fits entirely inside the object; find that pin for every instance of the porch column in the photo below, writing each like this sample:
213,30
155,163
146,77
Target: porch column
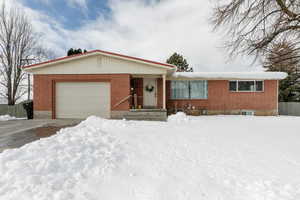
164,91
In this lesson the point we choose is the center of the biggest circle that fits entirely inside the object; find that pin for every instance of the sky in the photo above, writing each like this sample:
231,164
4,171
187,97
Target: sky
150,29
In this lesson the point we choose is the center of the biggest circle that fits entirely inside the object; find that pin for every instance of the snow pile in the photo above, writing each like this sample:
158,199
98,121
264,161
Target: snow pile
231,75
6,118
52,168
208,157
178,118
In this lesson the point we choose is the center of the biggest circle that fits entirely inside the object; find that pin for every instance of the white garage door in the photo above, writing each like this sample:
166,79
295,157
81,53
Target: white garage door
79,100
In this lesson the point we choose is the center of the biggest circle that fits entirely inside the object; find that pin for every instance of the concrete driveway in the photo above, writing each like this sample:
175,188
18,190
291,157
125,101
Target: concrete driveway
16,133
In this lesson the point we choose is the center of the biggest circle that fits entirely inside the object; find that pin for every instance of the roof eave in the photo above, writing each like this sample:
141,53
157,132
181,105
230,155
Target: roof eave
98,52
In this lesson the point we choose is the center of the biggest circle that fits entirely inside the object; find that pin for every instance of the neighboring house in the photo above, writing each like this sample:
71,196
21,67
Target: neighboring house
111,85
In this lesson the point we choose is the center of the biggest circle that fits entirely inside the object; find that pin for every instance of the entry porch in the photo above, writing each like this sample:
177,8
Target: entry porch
148,92
147,98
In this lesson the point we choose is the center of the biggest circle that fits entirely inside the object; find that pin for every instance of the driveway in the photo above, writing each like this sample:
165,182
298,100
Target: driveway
16,133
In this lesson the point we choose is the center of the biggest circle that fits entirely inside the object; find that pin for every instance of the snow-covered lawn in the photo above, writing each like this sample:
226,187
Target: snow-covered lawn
202,158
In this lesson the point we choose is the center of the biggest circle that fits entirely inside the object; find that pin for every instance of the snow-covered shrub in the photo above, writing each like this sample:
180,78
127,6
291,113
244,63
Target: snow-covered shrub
178,117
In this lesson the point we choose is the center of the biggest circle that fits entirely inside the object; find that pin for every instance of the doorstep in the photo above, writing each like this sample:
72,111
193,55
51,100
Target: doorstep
147,114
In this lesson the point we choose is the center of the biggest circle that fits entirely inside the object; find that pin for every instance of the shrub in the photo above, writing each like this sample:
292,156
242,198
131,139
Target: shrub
28,106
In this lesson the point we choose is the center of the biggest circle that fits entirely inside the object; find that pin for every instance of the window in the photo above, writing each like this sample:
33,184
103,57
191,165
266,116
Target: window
189,89
180,89
233,86
259,86
198,89
246,86
248,112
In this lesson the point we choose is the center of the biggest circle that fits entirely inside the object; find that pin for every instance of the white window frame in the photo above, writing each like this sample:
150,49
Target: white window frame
237,85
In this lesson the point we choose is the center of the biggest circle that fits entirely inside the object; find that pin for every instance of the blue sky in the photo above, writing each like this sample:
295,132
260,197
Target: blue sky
70,15
151,29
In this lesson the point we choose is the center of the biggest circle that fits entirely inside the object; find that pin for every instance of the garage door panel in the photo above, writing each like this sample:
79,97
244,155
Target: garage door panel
79,100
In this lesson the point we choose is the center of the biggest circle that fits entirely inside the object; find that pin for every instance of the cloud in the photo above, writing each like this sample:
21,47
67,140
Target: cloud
81,3
149,30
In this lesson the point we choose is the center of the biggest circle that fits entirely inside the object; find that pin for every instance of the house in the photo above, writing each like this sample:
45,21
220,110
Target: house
112,85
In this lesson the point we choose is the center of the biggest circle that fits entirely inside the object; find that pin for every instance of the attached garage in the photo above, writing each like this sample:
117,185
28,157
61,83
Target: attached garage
79,100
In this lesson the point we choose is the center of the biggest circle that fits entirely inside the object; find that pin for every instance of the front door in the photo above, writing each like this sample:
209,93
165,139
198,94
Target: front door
150,92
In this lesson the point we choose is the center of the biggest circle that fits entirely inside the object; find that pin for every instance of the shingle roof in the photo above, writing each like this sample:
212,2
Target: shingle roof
100,52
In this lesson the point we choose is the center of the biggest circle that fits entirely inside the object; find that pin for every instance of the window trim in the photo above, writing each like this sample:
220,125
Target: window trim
237,86
189,98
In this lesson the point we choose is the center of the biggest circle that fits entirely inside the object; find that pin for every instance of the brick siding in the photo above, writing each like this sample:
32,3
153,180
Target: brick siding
220,98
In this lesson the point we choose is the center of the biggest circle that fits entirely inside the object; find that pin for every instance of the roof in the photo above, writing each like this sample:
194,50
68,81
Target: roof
99,52
231,75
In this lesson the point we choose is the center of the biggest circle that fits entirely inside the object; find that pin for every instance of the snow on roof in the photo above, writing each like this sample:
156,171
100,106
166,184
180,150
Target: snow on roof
231,75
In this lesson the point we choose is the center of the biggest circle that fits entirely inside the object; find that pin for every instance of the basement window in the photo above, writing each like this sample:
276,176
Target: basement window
248,112
246,86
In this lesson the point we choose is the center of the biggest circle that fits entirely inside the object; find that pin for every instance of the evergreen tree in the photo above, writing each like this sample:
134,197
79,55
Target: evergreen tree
75,51
79,51
70,52
181,63
284,57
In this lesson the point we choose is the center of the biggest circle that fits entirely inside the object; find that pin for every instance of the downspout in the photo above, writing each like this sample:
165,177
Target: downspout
277,100
164,92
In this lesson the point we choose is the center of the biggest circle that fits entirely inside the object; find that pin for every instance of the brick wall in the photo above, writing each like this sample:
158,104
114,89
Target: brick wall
221,99
44,89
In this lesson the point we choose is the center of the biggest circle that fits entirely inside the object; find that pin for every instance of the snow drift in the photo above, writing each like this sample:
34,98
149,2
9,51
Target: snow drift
51,168
213,158
6,118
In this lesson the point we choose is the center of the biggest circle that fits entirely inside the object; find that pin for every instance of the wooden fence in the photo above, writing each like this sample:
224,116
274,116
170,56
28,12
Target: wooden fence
15,111
289,108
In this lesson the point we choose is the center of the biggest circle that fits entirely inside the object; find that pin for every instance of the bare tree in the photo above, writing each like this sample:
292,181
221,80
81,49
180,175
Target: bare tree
18,42
40,55
253,26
